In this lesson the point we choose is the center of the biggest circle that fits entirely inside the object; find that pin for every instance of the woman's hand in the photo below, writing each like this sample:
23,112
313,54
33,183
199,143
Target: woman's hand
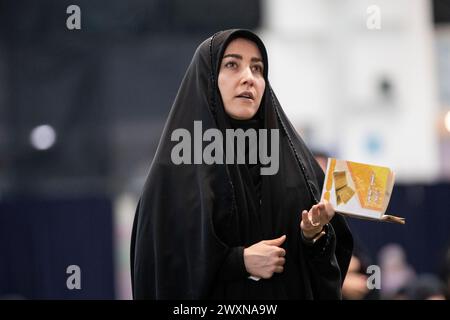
265,257
314,219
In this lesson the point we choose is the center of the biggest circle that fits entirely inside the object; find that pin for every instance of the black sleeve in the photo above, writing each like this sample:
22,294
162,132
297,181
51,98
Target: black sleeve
233,267
323,266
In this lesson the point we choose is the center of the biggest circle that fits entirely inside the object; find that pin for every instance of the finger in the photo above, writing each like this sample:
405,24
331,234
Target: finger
329,209
310,213
276,242
281,252
327,204
279,269
326,212
311,220
324,208
305,224
304,215
305,220
321,206
280,262
314,209
315,217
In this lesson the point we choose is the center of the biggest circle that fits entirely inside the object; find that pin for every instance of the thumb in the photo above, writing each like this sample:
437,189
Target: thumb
276,242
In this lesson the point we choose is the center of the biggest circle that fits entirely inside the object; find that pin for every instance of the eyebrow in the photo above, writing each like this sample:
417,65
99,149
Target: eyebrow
238,56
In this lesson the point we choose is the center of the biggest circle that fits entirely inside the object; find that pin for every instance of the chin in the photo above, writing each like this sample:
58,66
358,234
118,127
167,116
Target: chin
245,115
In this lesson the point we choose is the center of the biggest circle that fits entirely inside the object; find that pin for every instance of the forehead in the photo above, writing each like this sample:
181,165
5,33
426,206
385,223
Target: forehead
243,47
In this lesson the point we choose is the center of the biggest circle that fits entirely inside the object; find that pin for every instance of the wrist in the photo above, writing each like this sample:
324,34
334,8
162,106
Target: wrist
245,256
314,238
311,234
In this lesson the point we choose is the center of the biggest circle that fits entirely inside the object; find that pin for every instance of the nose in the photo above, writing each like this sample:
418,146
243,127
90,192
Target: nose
247,77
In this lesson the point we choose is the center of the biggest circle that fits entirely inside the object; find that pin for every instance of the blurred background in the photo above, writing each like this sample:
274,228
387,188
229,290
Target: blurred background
82,110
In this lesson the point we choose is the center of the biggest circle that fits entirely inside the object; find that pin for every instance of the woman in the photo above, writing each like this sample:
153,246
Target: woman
226,231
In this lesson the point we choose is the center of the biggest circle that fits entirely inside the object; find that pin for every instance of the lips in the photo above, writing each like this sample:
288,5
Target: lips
246,95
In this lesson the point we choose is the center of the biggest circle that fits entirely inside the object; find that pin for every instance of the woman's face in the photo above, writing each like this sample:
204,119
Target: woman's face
241,79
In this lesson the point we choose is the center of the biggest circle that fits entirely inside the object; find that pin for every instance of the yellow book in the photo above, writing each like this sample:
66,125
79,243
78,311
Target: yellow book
359,190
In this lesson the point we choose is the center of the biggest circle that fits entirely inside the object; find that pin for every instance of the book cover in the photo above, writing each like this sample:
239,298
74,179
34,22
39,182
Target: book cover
359,190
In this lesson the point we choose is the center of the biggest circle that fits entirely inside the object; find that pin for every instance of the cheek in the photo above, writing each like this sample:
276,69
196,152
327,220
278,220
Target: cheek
261,88
222,84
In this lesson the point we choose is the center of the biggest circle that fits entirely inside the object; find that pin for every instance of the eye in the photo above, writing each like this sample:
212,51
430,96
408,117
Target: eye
257,68
230,64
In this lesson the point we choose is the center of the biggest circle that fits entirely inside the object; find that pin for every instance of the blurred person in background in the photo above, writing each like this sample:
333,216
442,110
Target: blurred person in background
396,272
425,287
355,284
226,231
